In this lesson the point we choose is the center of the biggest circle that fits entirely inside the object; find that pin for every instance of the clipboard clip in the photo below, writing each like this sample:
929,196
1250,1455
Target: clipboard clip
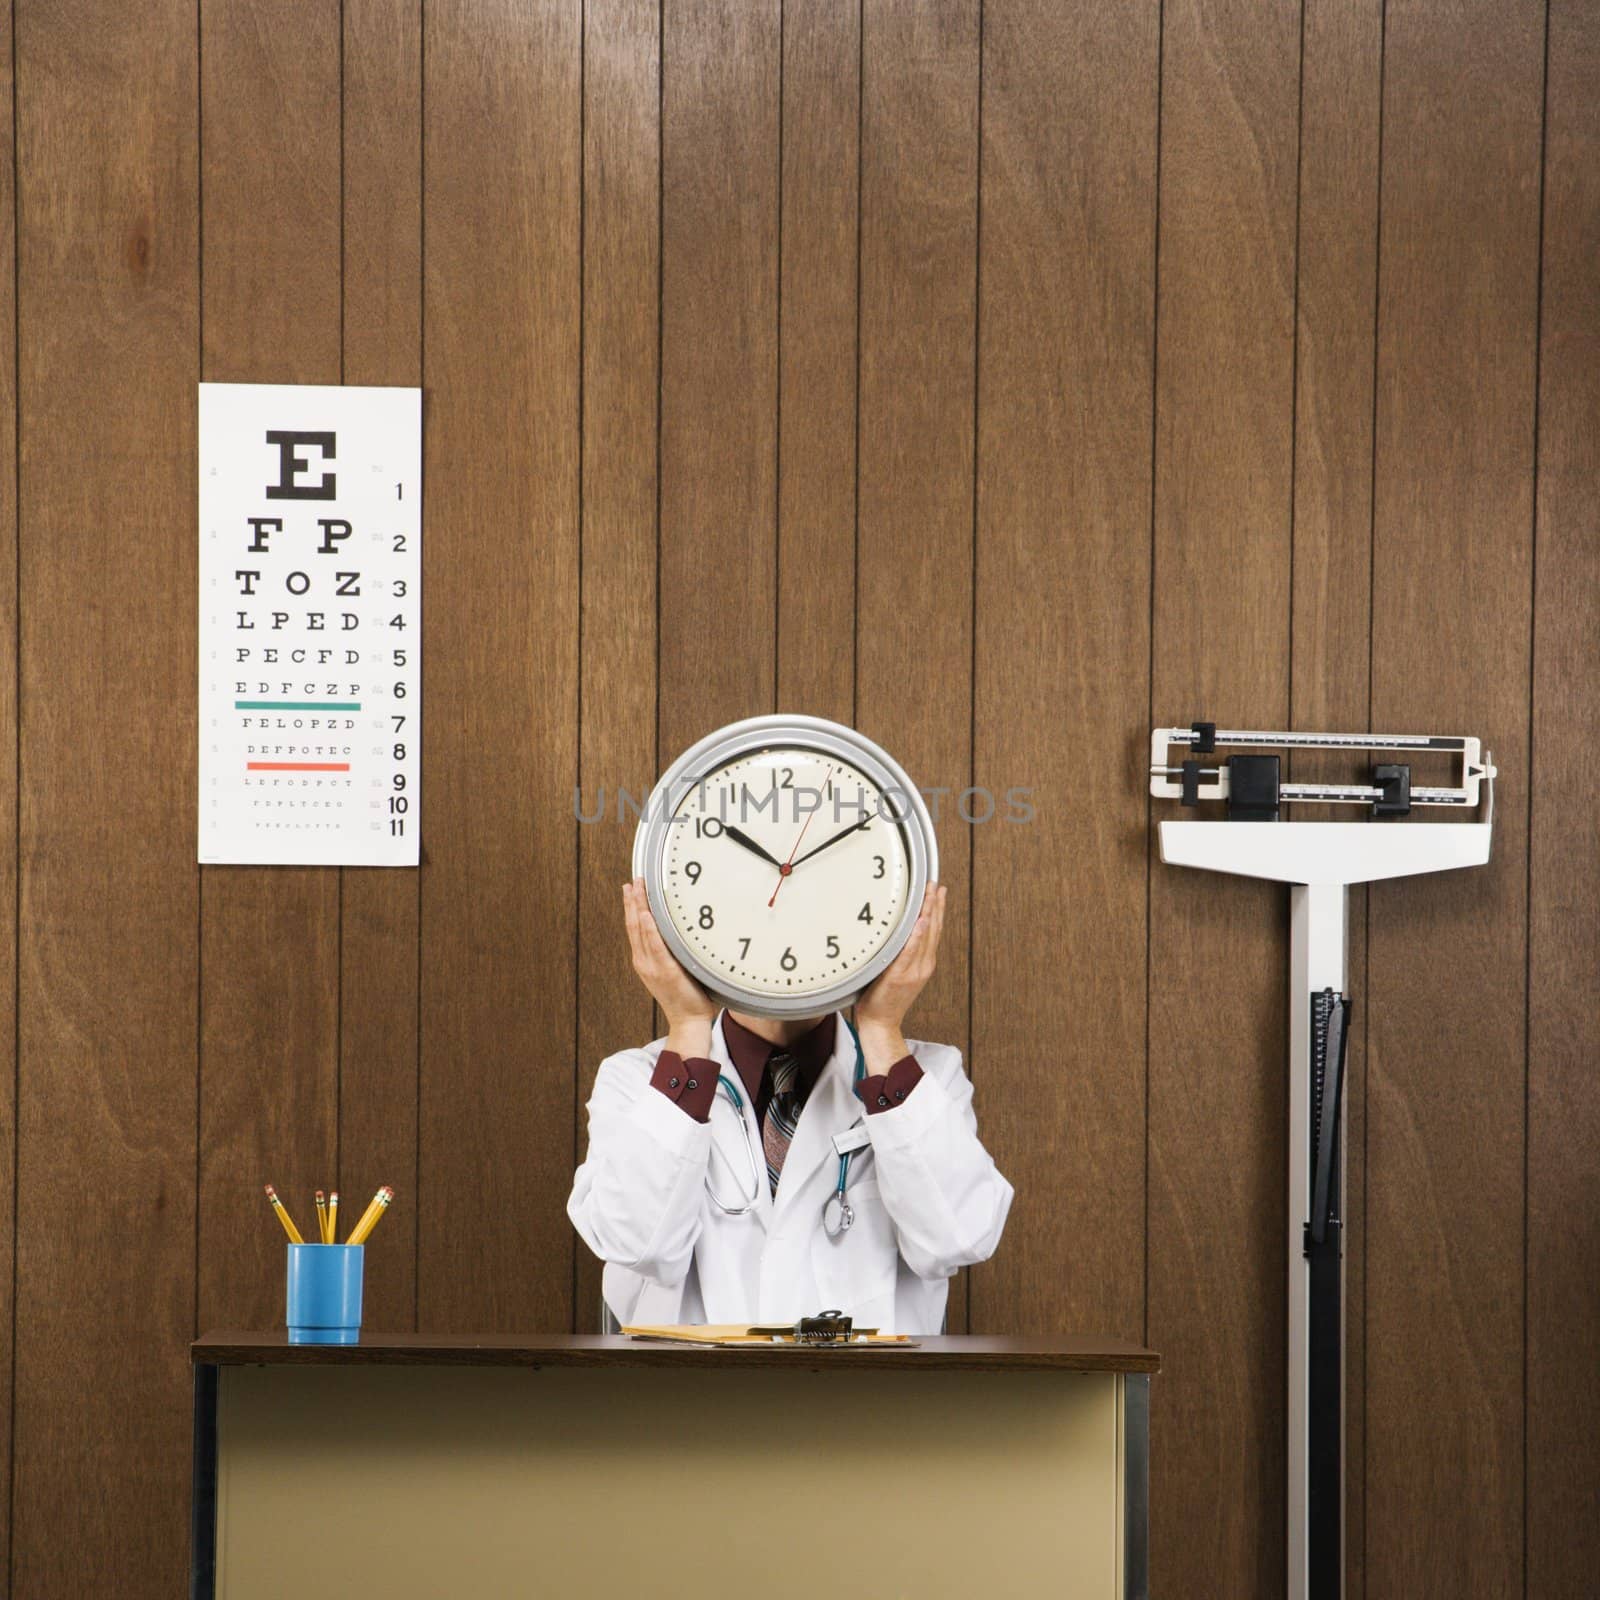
826,1327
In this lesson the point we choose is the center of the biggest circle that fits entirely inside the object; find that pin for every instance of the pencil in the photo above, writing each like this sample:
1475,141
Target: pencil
283,1216
372,1206
373,1217
333,1217
322,1217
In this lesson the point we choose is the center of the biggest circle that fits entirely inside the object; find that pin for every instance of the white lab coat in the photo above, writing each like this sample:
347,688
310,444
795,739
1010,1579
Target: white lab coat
926,1194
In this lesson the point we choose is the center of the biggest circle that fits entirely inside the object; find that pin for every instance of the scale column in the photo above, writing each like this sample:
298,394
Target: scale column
1317,965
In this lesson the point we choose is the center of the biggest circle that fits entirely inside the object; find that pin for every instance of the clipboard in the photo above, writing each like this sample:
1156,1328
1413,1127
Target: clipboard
742,1336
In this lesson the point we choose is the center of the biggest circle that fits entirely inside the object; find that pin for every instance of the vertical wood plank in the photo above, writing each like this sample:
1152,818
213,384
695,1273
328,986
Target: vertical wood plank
378,933
10,927
719,365
621,342
108,298
1069,169
915,426
269,983
501,284
1336,287
1563,1536
1218,946
1451,617
919,218
817,398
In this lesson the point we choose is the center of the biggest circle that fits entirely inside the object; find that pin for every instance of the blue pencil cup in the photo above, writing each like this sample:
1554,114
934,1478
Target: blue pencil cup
324,1300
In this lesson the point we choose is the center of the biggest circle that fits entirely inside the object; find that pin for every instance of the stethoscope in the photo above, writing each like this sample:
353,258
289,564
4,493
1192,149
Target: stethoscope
837,1212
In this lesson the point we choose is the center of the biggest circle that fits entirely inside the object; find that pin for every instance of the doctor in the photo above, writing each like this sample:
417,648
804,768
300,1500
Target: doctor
711,1206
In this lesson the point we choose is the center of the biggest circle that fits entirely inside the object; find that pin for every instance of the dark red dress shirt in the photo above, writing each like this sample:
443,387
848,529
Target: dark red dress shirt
691,1085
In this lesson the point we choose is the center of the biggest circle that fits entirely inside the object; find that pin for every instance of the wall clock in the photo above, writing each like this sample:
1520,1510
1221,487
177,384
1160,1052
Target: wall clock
785,859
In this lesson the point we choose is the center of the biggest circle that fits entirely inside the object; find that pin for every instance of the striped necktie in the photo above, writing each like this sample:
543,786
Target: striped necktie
783,1112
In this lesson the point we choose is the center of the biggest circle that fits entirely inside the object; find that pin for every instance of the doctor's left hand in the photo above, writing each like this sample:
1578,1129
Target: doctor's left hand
881,1011
686,1006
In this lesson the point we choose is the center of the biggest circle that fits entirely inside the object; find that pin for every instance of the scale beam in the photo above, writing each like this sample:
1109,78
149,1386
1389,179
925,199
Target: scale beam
1253,779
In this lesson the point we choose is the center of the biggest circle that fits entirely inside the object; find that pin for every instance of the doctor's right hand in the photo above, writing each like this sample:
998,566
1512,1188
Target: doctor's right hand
689,1010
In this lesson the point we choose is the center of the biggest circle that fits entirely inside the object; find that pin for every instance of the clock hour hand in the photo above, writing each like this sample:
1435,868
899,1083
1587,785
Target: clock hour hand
740,837
855,827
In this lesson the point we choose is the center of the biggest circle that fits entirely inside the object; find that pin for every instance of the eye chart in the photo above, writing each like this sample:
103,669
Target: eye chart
310,624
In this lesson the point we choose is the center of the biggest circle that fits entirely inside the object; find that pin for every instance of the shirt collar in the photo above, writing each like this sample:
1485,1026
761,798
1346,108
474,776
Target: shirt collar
750,1053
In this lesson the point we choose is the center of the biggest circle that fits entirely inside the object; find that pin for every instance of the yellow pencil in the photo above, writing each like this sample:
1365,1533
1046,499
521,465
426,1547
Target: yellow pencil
372,1206
333,1217
374,1216
322,1217
284,1217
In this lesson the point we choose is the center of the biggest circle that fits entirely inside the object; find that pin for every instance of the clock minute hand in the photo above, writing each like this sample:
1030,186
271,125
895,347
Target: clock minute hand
740,837
855,827
786,867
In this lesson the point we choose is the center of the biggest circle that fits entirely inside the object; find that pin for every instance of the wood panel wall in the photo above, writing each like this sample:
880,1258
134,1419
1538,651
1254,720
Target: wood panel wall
1000,375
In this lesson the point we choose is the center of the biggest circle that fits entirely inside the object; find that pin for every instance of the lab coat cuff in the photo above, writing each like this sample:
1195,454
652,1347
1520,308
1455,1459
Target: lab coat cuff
885,1091
658,1118
690,1085
913,1117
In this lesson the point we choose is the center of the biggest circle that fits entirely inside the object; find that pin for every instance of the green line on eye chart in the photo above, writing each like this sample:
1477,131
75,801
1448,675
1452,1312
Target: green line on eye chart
296,705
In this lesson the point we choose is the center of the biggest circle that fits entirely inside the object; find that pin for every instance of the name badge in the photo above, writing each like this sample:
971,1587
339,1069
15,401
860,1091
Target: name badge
851,1139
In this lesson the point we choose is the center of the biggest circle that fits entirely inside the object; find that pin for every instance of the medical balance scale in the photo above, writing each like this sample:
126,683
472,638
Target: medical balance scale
1319,861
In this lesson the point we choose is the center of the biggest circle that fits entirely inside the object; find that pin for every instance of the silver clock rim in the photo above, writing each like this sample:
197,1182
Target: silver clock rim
830,738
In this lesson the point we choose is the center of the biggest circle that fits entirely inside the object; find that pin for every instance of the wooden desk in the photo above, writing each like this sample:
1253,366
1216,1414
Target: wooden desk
423,1467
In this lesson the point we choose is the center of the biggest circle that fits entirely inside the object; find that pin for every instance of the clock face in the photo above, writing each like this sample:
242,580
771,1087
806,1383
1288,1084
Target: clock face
764,930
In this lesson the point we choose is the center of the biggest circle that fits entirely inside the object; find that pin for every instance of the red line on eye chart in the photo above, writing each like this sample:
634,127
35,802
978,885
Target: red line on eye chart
297,766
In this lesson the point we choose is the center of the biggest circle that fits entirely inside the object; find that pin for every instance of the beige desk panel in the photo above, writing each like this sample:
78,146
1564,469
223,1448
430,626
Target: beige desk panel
430,1483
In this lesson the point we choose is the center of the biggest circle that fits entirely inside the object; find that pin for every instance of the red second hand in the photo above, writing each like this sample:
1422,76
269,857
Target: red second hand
788,866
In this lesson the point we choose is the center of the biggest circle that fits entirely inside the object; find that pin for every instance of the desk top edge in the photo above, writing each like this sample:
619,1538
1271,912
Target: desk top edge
960,1352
